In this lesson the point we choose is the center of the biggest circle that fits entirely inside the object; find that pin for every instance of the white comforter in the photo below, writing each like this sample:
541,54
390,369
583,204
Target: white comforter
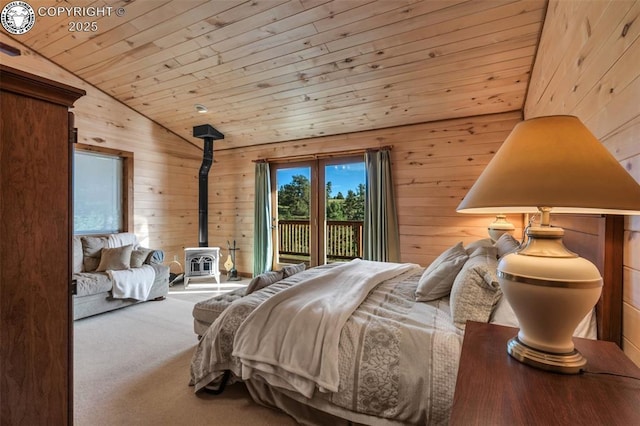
397,358
293,339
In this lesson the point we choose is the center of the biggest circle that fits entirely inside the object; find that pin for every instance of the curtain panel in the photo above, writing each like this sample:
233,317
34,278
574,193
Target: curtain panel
262,241
381,238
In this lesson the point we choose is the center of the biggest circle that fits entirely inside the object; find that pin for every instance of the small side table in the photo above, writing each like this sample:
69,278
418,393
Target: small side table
494,389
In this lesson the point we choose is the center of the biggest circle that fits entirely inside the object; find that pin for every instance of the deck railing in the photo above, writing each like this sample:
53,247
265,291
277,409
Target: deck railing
343,238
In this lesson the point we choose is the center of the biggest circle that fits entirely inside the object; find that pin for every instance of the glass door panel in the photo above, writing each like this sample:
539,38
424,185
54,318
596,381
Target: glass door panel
294,232
343,208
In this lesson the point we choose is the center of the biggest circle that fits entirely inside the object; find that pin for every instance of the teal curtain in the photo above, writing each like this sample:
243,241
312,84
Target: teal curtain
381,238
262,241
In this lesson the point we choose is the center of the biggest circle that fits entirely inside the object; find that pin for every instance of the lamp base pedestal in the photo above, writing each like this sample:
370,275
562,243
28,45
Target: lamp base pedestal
568,363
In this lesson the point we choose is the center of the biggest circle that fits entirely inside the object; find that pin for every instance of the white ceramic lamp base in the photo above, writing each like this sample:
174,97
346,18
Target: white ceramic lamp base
550,290
500,226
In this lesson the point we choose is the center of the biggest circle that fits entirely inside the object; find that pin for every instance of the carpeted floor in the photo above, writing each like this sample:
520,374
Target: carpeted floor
199,289
131,367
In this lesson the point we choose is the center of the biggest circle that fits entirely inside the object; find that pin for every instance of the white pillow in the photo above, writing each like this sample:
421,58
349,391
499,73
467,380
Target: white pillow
472,246
476,291
264,280
289,270
503,314
437,279
506,244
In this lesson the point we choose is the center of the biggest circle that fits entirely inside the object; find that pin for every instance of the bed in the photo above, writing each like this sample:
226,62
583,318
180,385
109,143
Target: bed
388,357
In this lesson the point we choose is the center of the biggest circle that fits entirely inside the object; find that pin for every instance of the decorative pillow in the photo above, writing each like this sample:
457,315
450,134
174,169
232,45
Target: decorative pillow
91,250
264,280
139,256
506,244
503,314
78,264
472,246
475,290
437,279
293,269
115,259
156,257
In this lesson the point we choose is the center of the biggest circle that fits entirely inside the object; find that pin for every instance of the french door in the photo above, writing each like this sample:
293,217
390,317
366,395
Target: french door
318,210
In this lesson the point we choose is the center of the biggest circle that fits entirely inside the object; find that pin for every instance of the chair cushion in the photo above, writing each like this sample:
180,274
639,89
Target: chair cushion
88,283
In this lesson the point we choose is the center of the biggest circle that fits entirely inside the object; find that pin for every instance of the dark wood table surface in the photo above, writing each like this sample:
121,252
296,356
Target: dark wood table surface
494,389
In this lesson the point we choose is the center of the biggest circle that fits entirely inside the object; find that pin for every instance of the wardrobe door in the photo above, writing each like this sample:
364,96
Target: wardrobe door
35,251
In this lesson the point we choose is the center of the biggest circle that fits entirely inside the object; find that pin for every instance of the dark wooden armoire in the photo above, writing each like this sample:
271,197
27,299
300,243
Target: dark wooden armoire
36,383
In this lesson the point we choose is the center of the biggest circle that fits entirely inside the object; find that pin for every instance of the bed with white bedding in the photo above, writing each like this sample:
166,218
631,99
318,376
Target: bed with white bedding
384,344
360,342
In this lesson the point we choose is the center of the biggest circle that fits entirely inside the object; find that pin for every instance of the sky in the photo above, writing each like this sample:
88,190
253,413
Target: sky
343,177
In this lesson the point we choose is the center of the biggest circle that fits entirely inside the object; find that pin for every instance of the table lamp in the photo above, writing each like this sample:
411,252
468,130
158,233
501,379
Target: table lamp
500,226
550,164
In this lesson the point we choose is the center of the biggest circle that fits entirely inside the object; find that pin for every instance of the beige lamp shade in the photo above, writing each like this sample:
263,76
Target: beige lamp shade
554,162
550,164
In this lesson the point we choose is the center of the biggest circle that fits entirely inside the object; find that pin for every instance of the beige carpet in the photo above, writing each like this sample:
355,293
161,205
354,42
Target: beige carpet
131,367
200,289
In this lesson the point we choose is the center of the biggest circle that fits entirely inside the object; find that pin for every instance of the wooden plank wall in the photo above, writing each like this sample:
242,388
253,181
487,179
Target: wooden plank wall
434,164
587,65
165,165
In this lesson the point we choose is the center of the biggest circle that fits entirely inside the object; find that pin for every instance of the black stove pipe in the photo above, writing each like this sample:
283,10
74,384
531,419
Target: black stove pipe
209,134
203,194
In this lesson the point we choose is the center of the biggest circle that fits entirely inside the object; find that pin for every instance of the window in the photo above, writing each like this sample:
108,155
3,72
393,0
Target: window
102,190
320,210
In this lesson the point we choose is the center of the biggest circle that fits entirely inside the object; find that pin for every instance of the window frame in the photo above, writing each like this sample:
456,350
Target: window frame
127,179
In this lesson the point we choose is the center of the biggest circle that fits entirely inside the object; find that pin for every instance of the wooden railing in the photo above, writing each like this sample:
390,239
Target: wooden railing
293,237
343,237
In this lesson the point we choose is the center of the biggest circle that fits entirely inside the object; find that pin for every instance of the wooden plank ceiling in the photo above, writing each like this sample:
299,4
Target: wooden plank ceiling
276,70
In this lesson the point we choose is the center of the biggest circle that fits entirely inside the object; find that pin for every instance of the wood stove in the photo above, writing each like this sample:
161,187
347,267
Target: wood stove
201,262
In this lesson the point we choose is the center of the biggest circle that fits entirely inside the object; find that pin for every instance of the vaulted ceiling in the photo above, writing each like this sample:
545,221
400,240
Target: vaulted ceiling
275,70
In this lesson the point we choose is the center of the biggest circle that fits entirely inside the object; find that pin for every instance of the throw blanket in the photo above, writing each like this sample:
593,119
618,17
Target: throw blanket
122,239
291,340
134,283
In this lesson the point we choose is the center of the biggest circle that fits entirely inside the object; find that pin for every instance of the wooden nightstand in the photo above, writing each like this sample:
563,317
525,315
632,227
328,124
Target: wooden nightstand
494,389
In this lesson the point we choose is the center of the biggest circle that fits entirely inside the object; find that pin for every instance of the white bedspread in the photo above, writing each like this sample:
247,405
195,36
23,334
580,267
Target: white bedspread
134,283
291,340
